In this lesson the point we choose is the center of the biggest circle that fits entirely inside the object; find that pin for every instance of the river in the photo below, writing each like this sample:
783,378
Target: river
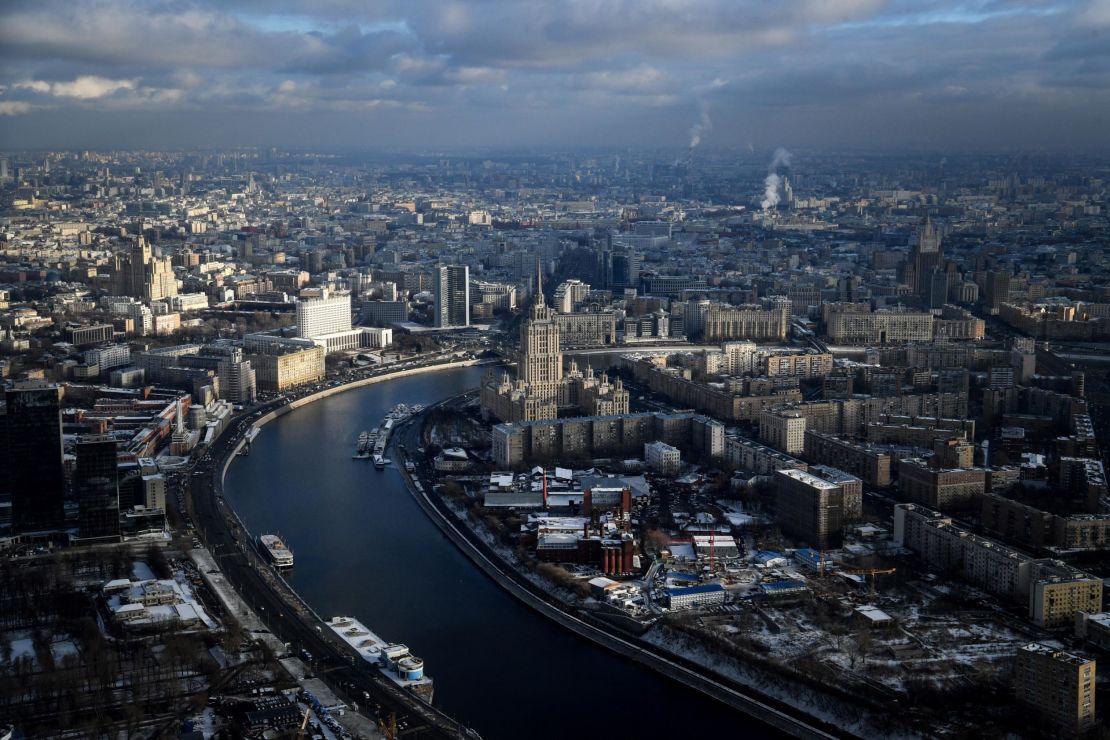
364,548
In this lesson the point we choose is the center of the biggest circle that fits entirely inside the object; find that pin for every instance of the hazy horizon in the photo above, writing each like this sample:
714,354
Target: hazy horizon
988,75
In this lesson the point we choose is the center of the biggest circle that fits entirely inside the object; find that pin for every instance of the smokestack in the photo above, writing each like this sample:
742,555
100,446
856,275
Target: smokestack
544,489
772,184
702,126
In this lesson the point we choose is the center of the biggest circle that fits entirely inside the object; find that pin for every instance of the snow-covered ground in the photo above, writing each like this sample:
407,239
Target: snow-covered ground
23,646
734,512
140,571
826,707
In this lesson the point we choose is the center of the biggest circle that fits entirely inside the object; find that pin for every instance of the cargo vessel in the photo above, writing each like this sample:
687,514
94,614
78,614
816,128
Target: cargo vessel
393,659
276,550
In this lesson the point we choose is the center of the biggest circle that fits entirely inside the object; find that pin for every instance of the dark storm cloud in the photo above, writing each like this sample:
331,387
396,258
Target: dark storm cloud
895,72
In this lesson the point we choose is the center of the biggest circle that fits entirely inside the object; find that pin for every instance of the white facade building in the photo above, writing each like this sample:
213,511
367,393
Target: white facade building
663,458
320,313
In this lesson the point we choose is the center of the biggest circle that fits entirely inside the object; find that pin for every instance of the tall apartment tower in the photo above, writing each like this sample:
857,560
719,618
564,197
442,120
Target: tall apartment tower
452,295
96,483
238,382
541,356
32,466
1059,686
810,508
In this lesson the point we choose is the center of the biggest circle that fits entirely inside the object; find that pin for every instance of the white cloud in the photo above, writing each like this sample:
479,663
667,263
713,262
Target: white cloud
36,85
15,107
85,87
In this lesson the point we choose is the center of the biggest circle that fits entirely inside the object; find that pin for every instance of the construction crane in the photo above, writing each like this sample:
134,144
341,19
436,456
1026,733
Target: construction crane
713,550
872,572
304,724
388,726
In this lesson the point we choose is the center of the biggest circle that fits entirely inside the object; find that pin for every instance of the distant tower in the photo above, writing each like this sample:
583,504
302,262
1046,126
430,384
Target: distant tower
925,257
452,295
541,356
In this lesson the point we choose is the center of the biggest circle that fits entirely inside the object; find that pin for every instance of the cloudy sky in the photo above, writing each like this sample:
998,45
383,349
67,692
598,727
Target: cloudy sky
925,74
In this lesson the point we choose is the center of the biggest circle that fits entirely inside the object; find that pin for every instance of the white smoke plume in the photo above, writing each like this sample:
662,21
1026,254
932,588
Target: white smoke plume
702,126
772,184
781,159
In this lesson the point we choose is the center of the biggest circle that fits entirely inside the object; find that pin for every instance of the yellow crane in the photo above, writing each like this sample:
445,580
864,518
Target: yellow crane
872,572
304,724
389,726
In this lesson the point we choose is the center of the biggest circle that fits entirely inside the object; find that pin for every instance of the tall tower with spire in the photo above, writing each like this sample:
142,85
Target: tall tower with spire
924,257
540,363
542,387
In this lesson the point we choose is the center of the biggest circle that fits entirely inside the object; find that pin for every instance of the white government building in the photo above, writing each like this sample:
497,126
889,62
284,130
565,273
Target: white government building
325,318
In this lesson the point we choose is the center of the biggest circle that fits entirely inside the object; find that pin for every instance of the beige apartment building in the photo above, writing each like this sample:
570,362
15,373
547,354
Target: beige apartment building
1057,685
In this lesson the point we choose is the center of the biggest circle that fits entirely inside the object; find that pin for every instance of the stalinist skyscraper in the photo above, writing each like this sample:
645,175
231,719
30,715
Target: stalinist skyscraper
542,387
924,257
142,275
540,362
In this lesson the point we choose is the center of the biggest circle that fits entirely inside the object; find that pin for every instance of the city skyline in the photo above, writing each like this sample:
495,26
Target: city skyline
857,73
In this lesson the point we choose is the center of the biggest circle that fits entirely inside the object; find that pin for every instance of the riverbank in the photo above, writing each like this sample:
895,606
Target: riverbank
364,547
674,666
300,623
353,385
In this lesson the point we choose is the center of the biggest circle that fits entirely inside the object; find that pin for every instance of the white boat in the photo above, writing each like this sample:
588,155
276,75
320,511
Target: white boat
280,555
393,659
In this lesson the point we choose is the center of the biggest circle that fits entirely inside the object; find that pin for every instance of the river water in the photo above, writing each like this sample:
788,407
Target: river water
363,548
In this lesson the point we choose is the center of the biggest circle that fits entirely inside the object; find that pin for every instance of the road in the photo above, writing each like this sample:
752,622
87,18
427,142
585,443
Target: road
408,441
352,678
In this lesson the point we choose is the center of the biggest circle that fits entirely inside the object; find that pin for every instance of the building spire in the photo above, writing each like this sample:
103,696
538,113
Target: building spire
539,282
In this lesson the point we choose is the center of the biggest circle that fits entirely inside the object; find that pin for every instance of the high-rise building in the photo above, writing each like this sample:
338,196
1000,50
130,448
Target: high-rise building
541,386
1057,685
452,295
320,312
925,256
570,295
619,268
810,508
32,464
96,483
140,274
237,377
540,364
936,288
